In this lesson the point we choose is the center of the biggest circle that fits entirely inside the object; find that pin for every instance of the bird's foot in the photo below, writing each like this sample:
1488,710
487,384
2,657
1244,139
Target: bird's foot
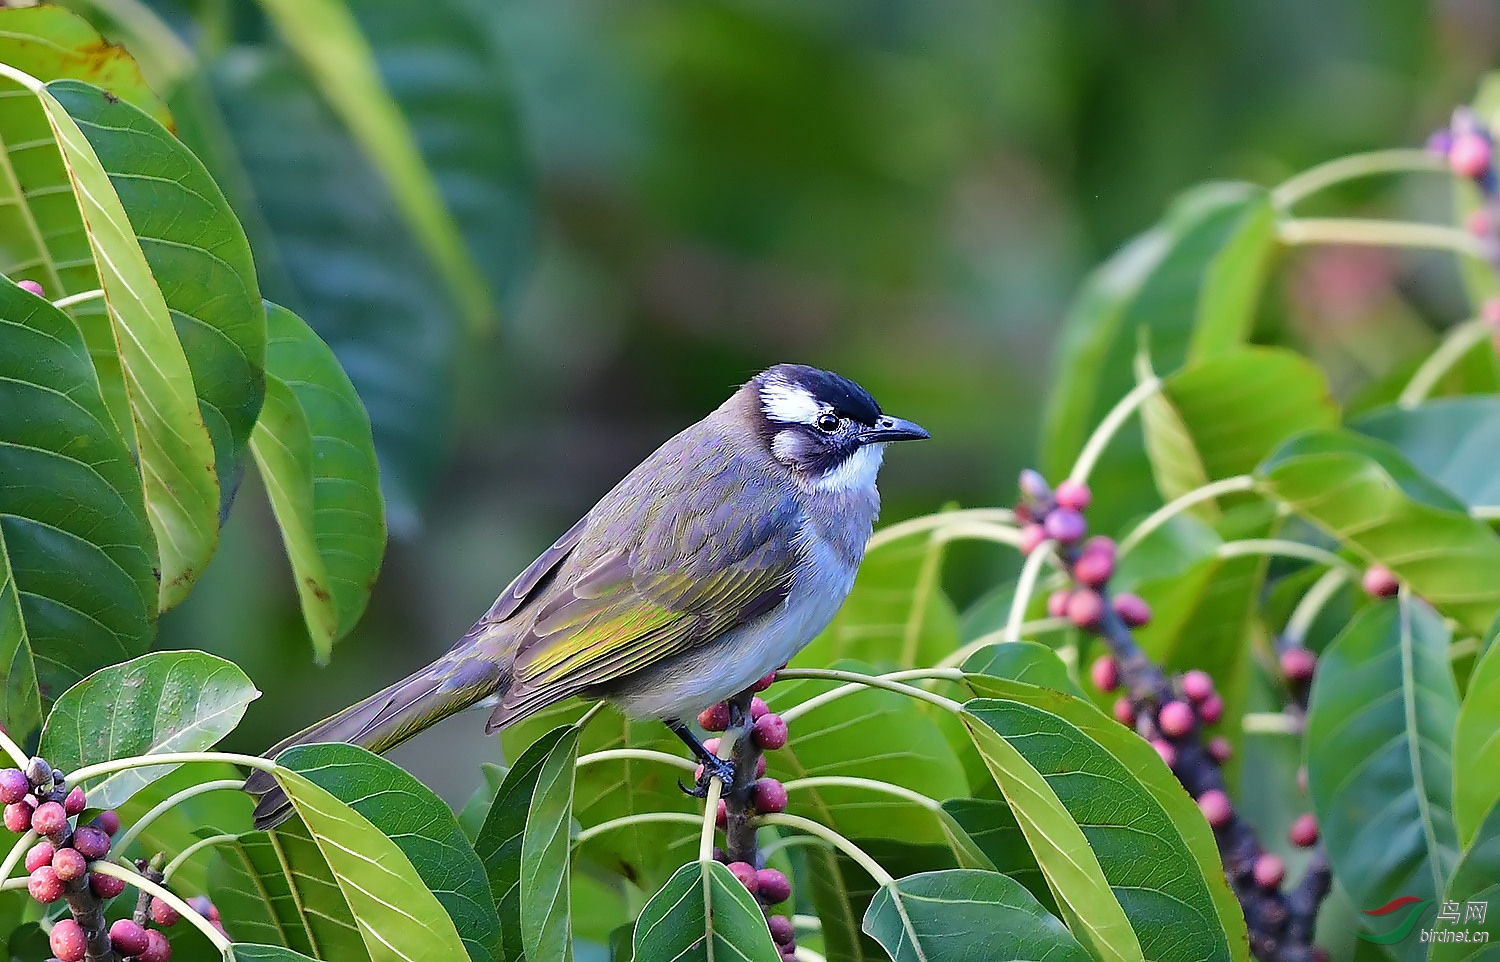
713,767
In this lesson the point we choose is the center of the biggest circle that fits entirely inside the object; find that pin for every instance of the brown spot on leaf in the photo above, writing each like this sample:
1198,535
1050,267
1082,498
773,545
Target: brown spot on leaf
630,872
111,97
317,589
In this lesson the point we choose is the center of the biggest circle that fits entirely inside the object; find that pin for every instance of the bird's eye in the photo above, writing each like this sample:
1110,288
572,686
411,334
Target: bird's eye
828,423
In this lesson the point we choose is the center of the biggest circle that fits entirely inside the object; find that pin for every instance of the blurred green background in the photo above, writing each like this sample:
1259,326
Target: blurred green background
668,196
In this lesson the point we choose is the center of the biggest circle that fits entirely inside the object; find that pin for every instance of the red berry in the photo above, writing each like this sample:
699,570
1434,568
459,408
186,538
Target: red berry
49,819
714,718
162,913
1032,537
105,886
107,821
1197,685
1124,711
39,855
75,802
1132,609
1074,494
770,796
1269,871
1105,673
760,765
1211,710
91,843
1380,582
1094,568
1470,155
13,786
1304,831
1298,664
721,856
158,949
781,929
770,731
1057,603
44,885
773,886
127,937
1215,806
1219,749
721,818
18,816
766,681
68,941
32,287
69,864
746,873
1085,608
1065,525
1166,750
1175,719
758,707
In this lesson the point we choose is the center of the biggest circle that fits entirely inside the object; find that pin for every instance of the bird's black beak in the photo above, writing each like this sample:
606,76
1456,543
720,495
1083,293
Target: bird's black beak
887,428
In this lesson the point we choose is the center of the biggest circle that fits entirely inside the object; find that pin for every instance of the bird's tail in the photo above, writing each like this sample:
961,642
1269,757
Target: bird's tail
387,718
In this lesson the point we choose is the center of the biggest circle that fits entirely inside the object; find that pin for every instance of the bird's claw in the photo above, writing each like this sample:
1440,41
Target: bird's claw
713,767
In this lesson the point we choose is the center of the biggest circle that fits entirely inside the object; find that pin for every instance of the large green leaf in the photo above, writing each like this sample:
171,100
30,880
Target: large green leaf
1365,493
992,827
199,257
420,823
249,952
1476,747
77,590
1024,661
828,886
546,893
51,43
167,701
313,448
1455,441
374,876
1379,729
1475,881
956,916
703,913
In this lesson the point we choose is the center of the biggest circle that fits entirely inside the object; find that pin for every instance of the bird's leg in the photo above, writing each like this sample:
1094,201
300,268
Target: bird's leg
713,765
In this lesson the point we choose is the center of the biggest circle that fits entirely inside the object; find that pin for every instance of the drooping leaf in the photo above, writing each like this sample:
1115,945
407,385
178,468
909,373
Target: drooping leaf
1476,882
546,896
77,590
419,823
1379,730
249,952
313,448
1366,494
1476,747
1024,661
374,875
1454,441
955,916
167,701
51,43
702,913
200,259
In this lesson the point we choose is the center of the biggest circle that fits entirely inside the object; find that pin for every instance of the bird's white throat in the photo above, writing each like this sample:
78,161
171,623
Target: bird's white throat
856,473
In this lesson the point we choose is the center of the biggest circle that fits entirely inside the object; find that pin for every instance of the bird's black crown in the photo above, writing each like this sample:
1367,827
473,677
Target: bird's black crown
845,397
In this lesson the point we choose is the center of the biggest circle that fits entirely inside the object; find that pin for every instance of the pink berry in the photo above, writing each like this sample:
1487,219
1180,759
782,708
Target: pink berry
13,786
1470,155
1074,495
69,864
1219,749
1132,609
721,817
1085,608
758,707
91,843
1065,525
712,744
158,949
1034,486
31,287
1166,750
1105,673
1197,685
760,766
18,816
1298,664
1380,582
770,796
1057,603
766,681
773,886
746,873
75,802
162,913
1211,710
1304,831
44,885
1269,871
105,886
107,821
770,731
39,855
1032,537
781,929
49,819
714,718
127,937
1490,311
68,941
1124,711
1215,806
1094,568
1175,719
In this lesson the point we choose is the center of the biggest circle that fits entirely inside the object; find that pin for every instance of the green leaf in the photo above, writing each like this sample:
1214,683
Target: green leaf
954,916
546,896
276,888
499,844
477,809
1454,441
1175,462
1475,880
51,43
1379,729
1476,747
1024,661
189,820
374,875
1366,494
199,256
313,448
833,901
992,827
77,590
702,913
167,701
408,813
248,952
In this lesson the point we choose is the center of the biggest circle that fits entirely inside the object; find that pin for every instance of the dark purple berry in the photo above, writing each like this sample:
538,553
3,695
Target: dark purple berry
760,766
127,937
69,864
714,718
13,786
1065,525
91,843
68,941
162,913
44,885
745,872
49,819
105,886
38,772
770,731
781,930
773,886
107,821
721,817
770,796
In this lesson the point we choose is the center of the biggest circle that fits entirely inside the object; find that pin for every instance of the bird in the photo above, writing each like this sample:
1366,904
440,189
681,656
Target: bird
711,564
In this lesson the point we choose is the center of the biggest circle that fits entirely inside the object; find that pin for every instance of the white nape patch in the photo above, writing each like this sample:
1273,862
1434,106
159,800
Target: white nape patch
857,473
786,402
786,446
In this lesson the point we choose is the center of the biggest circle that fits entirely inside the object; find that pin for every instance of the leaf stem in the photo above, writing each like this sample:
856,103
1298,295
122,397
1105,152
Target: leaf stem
1112,422
1271,723
803,954
1456,343
1170,510
13,750
711,801
104,867
635,754
1378,233
1310,605
870,784
624,821
170,802
938,521
857,681
1025,588
880,875
588,716
1401,160
17,852
192,850
1286,549
168,758
62,303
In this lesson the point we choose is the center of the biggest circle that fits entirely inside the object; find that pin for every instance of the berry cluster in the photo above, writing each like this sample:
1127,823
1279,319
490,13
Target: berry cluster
1468,146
